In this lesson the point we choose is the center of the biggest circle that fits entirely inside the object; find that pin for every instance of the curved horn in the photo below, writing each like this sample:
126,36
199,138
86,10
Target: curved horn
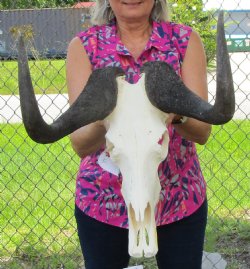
166,90
95,102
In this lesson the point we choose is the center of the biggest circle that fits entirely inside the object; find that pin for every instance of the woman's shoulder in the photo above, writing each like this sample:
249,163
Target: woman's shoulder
95,31
176,30
91,31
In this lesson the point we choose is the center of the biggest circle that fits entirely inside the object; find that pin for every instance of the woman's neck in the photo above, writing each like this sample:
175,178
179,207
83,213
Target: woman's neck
134,36
134,31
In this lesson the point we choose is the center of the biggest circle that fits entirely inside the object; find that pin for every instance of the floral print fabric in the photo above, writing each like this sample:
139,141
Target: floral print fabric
183,188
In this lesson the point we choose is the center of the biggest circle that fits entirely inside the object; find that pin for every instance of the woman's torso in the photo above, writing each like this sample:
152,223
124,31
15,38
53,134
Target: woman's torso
98,191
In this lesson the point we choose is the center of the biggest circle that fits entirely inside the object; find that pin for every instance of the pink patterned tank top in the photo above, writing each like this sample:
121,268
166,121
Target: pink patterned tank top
183,189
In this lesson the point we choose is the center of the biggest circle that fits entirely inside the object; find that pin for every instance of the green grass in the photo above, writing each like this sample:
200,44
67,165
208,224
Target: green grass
37,198
48,76
225,165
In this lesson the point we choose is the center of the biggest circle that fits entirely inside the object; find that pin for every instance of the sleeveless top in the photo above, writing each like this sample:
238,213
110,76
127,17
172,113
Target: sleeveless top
183,188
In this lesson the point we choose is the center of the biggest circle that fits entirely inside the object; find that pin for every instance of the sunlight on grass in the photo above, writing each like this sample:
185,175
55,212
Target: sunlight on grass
225,166
37,195
48,76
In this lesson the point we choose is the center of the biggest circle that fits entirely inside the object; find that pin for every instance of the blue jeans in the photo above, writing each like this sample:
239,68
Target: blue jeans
180,243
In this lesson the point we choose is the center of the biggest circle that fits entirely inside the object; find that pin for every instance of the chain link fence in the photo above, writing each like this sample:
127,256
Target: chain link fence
37,227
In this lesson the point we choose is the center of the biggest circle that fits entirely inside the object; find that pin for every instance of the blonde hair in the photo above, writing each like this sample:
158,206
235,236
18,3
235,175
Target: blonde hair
102,12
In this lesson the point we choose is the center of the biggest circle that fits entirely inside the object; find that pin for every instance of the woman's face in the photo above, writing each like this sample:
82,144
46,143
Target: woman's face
132,10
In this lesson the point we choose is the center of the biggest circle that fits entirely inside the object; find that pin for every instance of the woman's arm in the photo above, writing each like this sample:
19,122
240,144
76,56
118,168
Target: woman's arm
89,138
194,76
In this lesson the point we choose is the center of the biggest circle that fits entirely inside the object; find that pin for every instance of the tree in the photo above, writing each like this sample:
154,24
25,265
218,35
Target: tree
191,13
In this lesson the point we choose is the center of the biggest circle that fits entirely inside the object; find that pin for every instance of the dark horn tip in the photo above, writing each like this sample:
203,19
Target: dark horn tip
220,26
22,54
221,16
20,42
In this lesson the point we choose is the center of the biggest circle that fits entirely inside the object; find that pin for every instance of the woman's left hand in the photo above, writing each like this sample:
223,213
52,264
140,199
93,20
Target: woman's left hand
170,118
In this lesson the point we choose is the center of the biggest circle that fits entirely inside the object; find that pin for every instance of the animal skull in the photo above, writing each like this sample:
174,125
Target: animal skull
135,128
135,117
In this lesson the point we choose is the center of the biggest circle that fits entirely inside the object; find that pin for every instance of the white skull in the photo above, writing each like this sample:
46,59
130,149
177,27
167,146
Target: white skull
134,130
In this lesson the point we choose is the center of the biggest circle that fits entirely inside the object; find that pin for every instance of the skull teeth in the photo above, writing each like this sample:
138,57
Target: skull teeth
142,233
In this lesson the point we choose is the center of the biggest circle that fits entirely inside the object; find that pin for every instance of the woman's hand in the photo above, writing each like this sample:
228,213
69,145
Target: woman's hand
175,119
170,118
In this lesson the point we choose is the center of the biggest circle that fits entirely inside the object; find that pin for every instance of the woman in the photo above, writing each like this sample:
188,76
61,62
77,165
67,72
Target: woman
128,33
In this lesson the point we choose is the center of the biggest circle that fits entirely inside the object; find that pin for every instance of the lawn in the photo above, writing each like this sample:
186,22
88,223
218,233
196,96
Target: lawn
37,198
48,76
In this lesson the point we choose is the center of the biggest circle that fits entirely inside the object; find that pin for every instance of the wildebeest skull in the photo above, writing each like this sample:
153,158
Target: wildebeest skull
135,129
133,134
